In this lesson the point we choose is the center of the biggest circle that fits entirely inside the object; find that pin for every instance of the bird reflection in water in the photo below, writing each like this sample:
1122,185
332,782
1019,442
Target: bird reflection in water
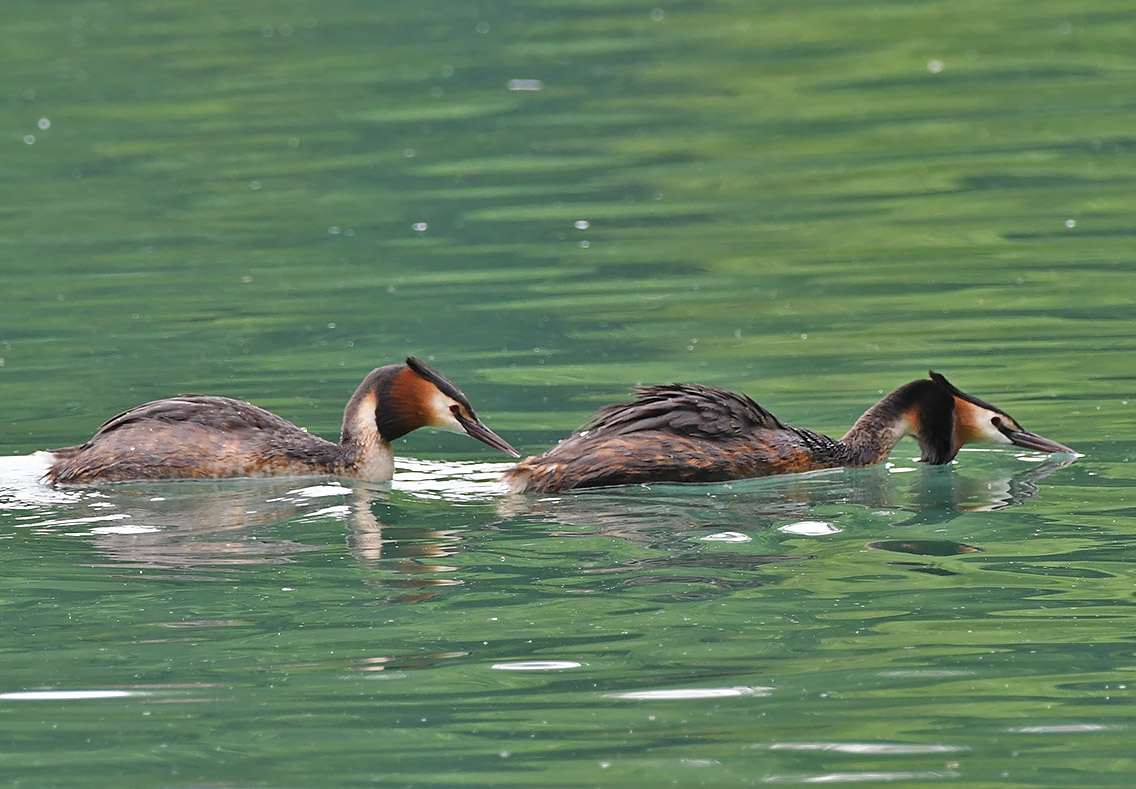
939,495
208,530
195,527
200,528
661,517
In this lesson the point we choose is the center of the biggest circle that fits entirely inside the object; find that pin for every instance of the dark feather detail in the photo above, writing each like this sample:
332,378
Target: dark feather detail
936,414
395,413
687,410
216,413
954,390
445,386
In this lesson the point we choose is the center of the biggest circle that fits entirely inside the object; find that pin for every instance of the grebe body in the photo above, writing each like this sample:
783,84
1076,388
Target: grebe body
692,433
199,436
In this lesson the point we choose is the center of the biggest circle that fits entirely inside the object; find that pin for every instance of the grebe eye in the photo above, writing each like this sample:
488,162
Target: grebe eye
1001,426
456,410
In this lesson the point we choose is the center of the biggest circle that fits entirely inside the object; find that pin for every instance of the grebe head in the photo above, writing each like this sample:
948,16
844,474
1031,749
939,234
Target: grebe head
943,419
397,399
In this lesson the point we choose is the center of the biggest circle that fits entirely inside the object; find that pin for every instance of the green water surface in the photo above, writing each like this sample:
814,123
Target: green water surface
810,202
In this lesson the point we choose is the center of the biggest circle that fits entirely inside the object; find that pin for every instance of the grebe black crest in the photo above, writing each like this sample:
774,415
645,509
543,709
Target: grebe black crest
198,436
692,433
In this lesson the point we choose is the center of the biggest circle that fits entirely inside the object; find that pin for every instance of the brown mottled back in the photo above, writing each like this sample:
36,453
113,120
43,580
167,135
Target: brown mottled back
672,433
192,436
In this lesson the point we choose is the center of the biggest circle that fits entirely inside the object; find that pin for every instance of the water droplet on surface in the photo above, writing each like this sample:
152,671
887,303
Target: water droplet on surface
727,536
536,665
809,528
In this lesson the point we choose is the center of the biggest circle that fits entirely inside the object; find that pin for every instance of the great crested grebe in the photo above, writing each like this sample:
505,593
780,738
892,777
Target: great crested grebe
197,436
692,433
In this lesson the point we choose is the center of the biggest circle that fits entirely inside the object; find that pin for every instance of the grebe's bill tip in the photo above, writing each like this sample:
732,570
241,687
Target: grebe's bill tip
1028,440
476,429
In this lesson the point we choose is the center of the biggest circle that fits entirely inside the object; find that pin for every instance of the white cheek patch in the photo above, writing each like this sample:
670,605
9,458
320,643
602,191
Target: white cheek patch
440,415
986,430
993,434
978,423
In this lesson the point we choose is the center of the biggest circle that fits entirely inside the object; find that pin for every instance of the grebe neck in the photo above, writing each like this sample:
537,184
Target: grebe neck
363,451
920,409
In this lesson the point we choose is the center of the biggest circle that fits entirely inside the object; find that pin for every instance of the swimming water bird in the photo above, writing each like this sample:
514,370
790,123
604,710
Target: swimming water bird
197,436
692,433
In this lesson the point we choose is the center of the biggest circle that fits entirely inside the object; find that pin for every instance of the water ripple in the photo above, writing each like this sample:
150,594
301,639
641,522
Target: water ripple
874,748
536,665
66,695
673,694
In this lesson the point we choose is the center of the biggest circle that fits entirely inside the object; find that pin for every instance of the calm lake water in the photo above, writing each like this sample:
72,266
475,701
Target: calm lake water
810,202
